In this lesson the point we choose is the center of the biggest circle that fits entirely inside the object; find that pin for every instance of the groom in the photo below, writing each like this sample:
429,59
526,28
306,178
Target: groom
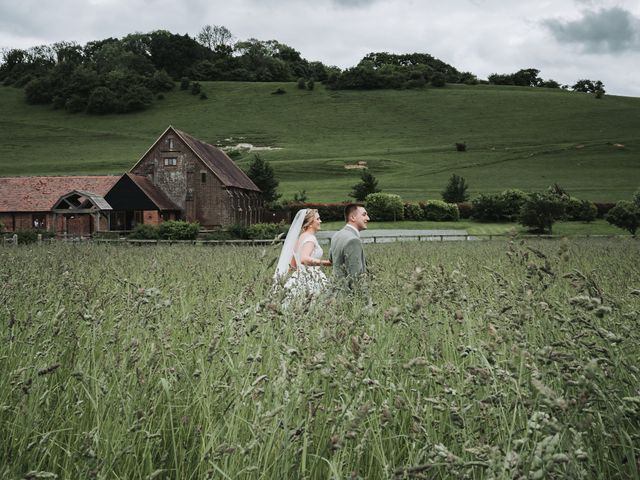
346,252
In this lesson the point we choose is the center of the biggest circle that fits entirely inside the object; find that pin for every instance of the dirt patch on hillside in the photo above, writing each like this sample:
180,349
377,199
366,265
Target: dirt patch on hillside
361,165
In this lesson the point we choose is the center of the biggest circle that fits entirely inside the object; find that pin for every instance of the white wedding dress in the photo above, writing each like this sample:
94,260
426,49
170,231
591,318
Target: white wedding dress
306,281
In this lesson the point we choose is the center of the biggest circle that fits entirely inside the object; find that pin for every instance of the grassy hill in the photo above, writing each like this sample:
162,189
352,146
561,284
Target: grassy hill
516,137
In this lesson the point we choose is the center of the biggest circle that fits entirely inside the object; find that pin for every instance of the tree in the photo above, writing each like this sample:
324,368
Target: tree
456,190
101,101
540,212
214,37
438,80
368,184
262,174
625,215
589,86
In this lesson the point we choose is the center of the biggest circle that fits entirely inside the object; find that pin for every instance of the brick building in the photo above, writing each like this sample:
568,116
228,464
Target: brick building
179,177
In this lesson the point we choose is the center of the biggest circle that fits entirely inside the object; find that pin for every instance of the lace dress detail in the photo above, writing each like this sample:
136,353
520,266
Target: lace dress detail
307,281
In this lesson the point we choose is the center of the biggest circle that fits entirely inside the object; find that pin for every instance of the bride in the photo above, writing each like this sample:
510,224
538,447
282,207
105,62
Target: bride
302,255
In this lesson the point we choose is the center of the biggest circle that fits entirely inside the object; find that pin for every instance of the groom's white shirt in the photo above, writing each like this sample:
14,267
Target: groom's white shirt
354,229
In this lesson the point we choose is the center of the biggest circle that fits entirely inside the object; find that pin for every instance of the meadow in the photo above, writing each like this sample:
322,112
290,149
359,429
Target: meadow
516,137
482,360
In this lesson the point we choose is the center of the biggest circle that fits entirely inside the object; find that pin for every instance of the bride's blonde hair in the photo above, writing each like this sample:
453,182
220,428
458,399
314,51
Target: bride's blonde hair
308,219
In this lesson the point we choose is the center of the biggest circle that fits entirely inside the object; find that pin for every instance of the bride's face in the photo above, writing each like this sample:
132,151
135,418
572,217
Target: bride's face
316,222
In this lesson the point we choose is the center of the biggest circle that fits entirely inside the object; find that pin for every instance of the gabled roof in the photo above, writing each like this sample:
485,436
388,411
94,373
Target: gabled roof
80,200
156,195
215,159
39,194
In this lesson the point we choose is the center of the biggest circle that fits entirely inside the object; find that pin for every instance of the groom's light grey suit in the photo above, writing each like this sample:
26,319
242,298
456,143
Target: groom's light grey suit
346,255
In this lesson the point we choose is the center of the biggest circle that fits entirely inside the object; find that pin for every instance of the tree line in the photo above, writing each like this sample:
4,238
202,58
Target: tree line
126,74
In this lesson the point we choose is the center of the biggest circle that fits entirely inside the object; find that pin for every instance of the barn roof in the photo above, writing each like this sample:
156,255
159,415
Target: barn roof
156,195
39,194
215,159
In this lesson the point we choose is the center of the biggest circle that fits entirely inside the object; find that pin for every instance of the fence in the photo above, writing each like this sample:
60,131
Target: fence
13,240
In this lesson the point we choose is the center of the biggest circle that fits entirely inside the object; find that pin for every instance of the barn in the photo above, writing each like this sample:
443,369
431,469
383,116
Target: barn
178,178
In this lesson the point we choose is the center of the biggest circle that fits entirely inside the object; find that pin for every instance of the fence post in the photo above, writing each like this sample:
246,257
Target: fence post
15,239
39,238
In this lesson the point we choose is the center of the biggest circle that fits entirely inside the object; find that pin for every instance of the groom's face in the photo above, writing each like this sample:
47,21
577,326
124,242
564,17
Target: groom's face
360,218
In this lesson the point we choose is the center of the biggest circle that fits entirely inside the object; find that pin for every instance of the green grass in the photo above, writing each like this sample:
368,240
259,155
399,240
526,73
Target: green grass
517,137
458,360
598,227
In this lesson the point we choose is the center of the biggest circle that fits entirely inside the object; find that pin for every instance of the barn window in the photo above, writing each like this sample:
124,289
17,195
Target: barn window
170,162
171,144
39,220
203,177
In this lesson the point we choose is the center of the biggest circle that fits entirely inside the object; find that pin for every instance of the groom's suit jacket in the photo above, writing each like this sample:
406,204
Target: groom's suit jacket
346,255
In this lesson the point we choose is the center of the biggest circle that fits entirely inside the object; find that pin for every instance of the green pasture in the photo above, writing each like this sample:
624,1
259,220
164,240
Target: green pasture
516,137
459,360
597,227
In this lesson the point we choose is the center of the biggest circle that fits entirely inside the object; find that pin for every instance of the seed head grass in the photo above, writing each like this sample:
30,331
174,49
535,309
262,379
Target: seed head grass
492,360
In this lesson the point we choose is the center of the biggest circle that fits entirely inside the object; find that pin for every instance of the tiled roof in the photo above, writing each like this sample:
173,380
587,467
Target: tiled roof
225,169
156,195
39,194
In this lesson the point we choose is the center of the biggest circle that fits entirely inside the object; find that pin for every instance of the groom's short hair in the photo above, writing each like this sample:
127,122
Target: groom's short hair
349,209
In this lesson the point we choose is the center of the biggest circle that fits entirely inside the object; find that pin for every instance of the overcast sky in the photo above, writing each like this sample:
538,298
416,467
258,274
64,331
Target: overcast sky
566,40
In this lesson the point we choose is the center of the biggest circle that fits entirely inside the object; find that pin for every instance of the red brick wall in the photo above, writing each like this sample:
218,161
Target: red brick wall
151,217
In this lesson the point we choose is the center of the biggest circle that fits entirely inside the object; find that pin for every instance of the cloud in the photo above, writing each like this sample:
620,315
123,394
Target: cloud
611,30
353,3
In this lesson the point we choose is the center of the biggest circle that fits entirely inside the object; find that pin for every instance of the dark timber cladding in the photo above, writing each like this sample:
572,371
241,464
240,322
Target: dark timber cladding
134,192
201,180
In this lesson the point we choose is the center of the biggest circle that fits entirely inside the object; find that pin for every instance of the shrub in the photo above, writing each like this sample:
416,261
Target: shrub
438,80
461,147
500,207
456,190
178,230
26,237
302,84
487,208
136,98
301,196
636,198
239,232
540,212
512,201
102,100
310,85
265,230
145,232
625,215
581,210
75,104
184,83
413,211
39,91
465,209
385,206
439,211
161,82
196,88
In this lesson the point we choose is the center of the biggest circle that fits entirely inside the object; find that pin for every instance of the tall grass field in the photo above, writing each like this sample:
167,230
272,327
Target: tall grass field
472,360
516,137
